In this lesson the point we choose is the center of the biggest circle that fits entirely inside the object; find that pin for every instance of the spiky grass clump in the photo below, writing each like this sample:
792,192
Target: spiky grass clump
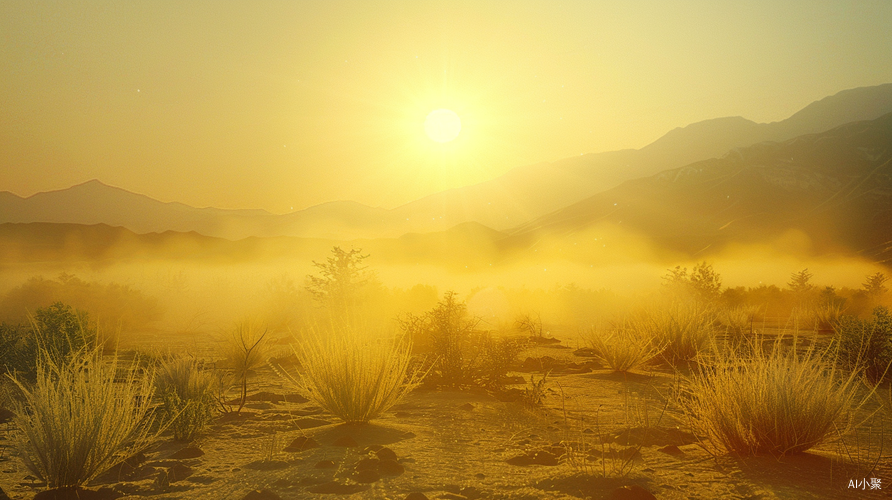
774,403
355,378
81,417
685,330
188,396
623,349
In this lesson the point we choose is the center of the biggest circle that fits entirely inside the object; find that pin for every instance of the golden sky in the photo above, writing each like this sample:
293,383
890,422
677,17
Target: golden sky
288,104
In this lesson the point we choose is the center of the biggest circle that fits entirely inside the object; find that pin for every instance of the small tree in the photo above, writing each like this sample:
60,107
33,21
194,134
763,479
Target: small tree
800,282
875,286
342,278
247,350
706,282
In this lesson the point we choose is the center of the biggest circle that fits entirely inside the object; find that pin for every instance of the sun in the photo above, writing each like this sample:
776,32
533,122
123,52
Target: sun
442,125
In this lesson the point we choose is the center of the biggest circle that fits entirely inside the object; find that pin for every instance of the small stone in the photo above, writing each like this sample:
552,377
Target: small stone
671,450
466,407
386,454
178,472
263,494
367,464
301,443
346,442
390,467
480,475
415,495
366,476
325,464
632,492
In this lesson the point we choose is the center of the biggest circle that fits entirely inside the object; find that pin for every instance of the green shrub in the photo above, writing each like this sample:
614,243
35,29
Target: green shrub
355,378
773,403
77,421
866,345
187,395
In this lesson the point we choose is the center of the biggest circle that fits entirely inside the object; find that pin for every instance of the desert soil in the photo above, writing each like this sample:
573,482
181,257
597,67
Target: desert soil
469,444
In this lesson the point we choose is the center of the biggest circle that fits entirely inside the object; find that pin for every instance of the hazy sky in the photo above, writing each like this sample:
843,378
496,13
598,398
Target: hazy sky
288,104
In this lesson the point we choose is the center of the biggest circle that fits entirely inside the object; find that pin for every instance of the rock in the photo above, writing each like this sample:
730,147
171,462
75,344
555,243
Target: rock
471,492
386,454
416,496
162,480
309,423
336,488
263,494
480,475
301,443
390,467
452,496
631,492
366,476
346,442
466,407
366,464
540,457
671,450
325,464
187,452
178,472
267,396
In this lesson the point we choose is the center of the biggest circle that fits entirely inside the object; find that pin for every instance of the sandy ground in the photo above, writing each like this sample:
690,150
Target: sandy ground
470,444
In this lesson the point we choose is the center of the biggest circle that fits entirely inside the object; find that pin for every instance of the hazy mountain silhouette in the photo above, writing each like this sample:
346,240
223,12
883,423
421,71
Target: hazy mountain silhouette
835,187
521,195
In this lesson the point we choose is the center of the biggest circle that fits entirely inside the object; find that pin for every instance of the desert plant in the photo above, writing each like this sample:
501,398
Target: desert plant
187,394
446,333
623,349
81,417
246,350
684,330
866,345
497,357
354,377
773,402
530,324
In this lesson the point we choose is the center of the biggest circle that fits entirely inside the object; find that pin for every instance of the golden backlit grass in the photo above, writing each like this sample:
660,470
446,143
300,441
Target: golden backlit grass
685,330
187,393
623,349
81,417
776,402
354,377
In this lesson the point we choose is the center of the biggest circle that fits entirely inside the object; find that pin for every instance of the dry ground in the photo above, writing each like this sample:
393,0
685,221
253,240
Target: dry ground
469,444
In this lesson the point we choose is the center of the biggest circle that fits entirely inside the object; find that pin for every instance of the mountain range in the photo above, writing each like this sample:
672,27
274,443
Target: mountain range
504,203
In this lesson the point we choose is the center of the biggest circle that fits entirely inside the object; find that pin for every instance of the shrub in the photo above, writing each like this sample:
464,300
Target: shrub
60,330
623,349
497,357
246,350
447,333
355,378
77,421
187,394
866,345
685,331
773,403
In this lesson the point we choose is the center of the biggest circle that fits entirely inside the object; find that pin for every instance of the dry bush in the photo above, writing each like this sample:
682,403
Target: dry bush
188,395
81,417
356,378
865,346
247,348
685,331
623,349
776,402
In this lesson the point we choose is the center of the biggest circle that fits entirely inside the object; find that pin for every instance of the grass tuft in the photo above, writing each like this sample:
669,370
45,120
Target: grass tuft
775,403
685,330
353,377
188,396
623,349
81,417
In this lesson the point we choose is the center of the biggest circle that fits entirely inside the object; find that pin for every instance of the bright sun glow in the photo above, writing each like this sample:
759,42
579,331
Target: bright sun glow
442,125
